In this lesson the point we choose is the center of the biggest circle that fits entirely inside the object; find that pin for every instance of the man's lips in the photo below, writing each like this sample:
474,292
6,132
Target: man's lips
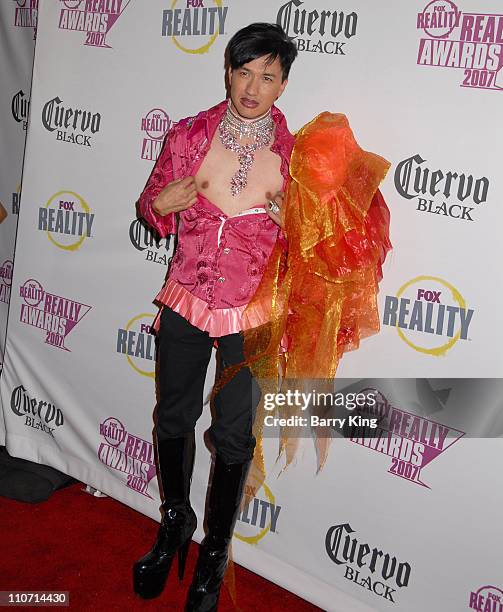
249,103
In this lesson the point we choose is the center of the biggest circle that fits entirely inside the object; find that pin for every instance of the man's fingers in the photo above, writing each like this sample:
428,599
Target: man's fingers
188,181
190,197
275,217
186,204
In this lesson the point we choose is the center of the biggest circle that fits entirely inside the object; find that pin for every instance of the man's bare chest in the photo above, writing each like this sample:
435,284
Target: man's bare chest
220,165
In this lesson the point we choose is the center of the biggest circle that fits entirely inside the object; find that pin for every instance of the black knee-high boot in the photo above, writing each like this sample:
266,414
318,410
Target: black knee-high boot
176,461
224,501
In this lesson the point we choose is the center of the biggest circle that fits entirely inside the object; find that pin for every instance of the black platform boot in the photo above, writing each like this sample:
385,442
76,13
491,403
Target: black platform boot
225,498
176,462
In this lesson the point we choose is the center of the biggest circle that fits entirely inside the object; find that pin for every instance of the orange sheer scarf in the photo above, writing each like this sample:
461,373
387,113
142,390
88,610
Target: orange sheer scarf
323,292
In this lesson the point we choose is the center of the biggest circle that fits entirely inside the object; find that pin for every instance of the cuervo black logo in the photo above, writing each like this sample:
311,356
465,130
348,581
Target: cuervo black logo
147,240
143,237
20,106
300,22
342,548
55,115
413,179
23,405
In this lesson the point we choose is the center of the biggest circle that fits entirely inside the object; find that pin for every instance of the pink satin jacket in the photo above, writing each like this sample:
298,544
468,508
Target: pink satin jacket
219,259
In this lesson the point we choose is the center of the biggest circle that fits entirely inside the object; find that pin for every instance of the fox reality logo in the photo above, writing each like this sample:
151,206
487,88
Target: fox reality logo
56,315
38,414
149,242
20,108
411,441
259,516
127,453
317,31
429,314
26,14
75,122
472,42
154,126
487,599
430,187
67,220
371,568
6,280
194,21
94,17
136,341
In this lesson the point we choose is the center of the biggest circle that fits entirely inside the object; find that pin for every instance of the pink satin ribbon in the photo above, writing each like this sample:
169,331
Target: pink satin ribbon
217,321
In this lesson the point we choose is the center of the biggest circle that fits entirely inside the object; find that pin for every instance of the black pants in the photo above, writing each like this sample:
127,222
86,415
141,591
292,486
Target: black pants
184,355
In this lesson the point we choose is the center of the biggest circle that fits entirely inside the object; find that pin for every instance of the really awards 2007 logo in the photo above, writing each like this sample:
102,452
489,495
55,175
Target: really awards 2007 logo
411,441
127,453
468,41
154,126
26,15
57,316
6,280
94,17
487,599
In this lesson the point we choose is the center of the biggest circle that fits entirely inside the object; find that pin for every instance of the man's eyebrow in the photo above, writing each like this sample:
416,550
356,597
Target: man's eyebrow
269,74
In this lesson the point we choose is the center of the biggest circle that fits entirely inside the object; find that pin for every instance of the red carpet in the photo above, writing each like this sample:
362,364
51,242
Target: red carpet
85,545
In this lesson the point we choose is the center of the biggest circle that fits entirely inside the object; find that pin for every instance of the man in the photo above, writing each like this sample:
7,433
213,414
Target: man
223,173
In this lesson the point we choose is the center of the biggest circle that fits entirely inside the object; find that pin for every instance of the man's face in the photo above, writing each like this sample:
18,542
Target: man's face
255,86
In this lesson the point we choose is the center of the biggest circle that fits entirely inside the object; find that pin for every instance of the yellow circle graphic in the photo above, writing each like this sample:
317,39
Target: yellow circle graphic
76,245
130,361
439,350
205,48
256,538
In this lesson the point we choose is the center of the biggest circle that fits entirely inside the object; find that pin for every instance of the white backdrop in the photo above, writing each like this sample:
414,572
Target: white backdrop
78,388
17,43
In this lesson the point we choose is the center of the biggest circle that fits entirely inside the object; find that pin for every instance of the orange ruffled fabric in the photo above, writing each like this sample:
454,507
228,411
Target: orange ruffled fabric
322,293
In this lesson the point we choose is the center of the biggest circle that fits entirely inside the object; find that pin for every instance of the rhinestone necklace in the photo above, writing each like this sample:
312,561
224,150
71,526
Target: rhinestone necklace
231,129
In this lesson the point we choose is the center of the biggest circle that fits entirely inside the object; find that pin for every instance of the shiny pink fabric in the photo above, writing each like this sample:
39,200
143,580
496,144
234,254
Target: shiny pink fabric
219,259
217,322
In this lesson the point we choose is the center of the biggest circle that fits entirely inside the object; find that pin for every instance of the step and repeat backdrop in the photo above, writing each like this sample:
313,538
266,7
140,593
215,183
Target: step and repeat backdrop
407,520
17,43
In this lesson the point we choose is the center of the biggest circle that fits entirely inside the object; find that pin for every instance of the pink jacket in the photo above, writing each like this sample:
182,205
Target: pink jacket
219,260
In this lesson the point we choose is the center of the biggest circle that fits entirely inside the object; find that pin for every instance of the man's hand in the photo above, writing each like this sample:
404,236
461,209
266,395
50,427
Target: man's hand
176,196
276,216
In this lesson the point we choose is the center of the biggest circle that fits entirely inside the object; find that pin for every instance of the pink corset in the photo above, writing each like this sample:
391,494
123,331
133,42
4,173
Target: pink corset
218,264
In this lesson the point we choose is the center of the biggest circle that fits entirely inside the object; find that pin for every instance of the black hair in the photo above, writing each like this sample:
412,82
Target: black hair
259,39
